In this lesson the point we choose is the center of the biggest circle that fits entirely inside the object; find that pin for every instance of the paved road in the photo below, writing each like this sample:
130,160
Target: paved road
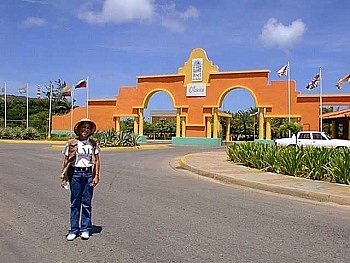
147,210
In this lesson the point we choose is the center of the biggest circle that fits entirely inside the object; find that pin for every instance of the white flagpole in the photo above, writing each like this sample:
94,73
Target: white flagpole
50,108
5,104
288,80
321,121
87,97
71,114
27,108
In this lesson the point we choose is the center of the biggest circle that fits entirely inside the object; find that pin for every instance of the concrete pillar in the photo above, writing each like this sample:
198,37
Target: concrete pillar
178,122
136,125
208,127
216,123
261,123
334,129
117,124
268,128
140,122
183,127
228,127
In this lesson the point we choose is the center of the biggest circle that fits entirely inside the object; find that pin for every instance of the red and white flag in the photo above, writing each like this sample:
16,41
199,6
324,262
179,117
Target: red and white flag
340,83
66,91
81,84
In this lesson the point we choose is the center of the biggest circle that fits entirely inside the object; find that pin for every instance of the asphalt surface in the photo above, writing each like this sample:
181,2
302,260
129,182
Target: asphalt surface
147,208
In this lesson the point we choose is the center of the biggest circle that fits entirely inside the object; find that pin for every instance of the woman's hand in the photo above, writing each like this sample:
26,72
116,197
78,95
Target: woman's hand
95,180
63,183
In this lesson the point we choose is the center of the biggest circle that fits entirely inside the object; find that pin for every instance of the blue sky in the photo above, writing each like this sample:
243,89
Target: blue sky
113,41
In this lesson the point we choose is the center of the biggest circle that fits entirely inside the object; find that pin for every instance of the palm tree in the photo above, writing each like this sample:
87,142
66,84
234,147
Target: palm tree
244,119
60,104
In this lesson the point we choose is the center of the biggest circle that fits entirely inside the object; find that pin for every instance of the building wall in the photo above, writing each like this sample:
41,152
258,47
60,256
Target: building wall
271,97
101,115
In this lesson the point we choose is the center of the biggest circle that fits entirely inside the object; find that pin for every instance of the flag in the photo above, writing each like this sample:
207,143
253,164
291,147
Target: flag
283,71
38,92
81,84
3,89
340,83
66,91
314,82
22,90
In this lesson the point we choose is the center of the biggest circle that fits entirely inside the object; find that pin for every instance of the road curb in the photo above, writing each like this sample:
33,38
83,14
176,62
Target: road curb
306,194
33,142
109,149
58,145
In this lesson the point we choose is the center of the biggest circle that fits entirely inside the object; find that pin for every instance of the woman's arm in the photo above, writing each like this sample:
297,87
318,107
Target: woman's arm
63,176
96,172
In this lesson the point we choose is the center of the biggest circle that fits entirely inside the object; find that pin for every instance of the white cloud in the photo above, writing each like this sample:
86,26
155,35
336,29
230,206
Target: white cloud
174,19
275,34
33,21
191,12
35,2
119,12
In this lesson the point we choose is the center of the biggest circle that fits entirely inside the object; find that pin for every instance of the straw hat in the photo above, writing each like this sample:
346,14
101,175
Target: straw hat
79,123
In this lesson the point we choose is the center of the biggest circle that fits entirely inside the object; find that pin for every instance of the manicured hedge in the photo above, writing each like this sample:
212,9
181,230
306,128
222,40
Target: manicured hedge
17,133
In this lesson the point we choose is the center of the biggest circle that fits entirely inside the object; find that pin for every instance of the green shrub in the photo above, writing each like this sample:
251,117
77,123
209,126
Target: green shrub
6,133
17,133
111,138
308,162
339,166
30,134
316,162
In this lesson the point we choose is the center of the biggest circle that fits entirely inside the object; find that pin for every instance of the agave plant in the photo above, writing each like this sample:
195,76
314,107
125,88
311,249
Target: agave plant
271,159
312,163
316,161
134,139
339,166
233,153
106,138
122,138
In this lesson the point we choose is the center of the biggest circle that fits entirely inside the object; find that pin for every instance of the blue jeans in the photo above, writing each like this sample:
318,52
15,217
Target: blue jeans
81,198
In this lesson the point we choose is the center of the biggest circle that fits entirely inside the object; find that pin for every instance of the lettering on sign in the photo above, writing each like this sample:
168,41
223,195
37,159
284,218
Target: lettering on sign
197,69
196,90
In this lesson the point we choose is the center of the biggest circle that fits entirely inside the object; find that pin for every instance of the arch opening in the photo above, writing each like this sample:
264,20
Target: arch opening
240,103
159,115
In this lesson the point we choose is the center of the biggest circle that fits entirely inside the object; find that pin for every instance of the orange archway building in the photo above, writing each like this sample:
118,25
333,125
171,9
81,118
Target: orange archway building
197,92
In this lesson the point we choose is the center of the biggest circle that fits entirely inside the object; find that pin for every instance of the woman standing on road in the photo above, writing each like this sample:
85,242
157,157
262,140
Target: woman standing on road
81,169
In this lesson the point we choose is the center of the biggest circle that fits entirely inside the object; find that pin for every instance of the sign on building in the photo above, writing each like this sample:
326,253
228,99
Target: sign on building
197,69
196,90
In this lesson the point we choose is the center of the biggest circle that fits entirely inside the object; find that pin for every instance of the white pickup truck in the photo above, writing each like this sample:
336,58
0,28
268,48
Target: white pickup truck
312,139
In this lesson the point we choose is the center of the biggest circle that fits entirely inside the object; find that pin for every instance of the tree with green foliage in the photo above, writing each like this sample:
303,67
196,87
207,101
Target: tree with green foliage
38,108
165,128
60,104
127,125
291,127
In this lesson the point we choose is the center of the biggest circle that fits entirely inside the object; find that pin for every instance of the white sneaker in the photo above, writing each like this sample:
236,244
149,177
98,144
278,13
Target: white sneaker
71,236
85,235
